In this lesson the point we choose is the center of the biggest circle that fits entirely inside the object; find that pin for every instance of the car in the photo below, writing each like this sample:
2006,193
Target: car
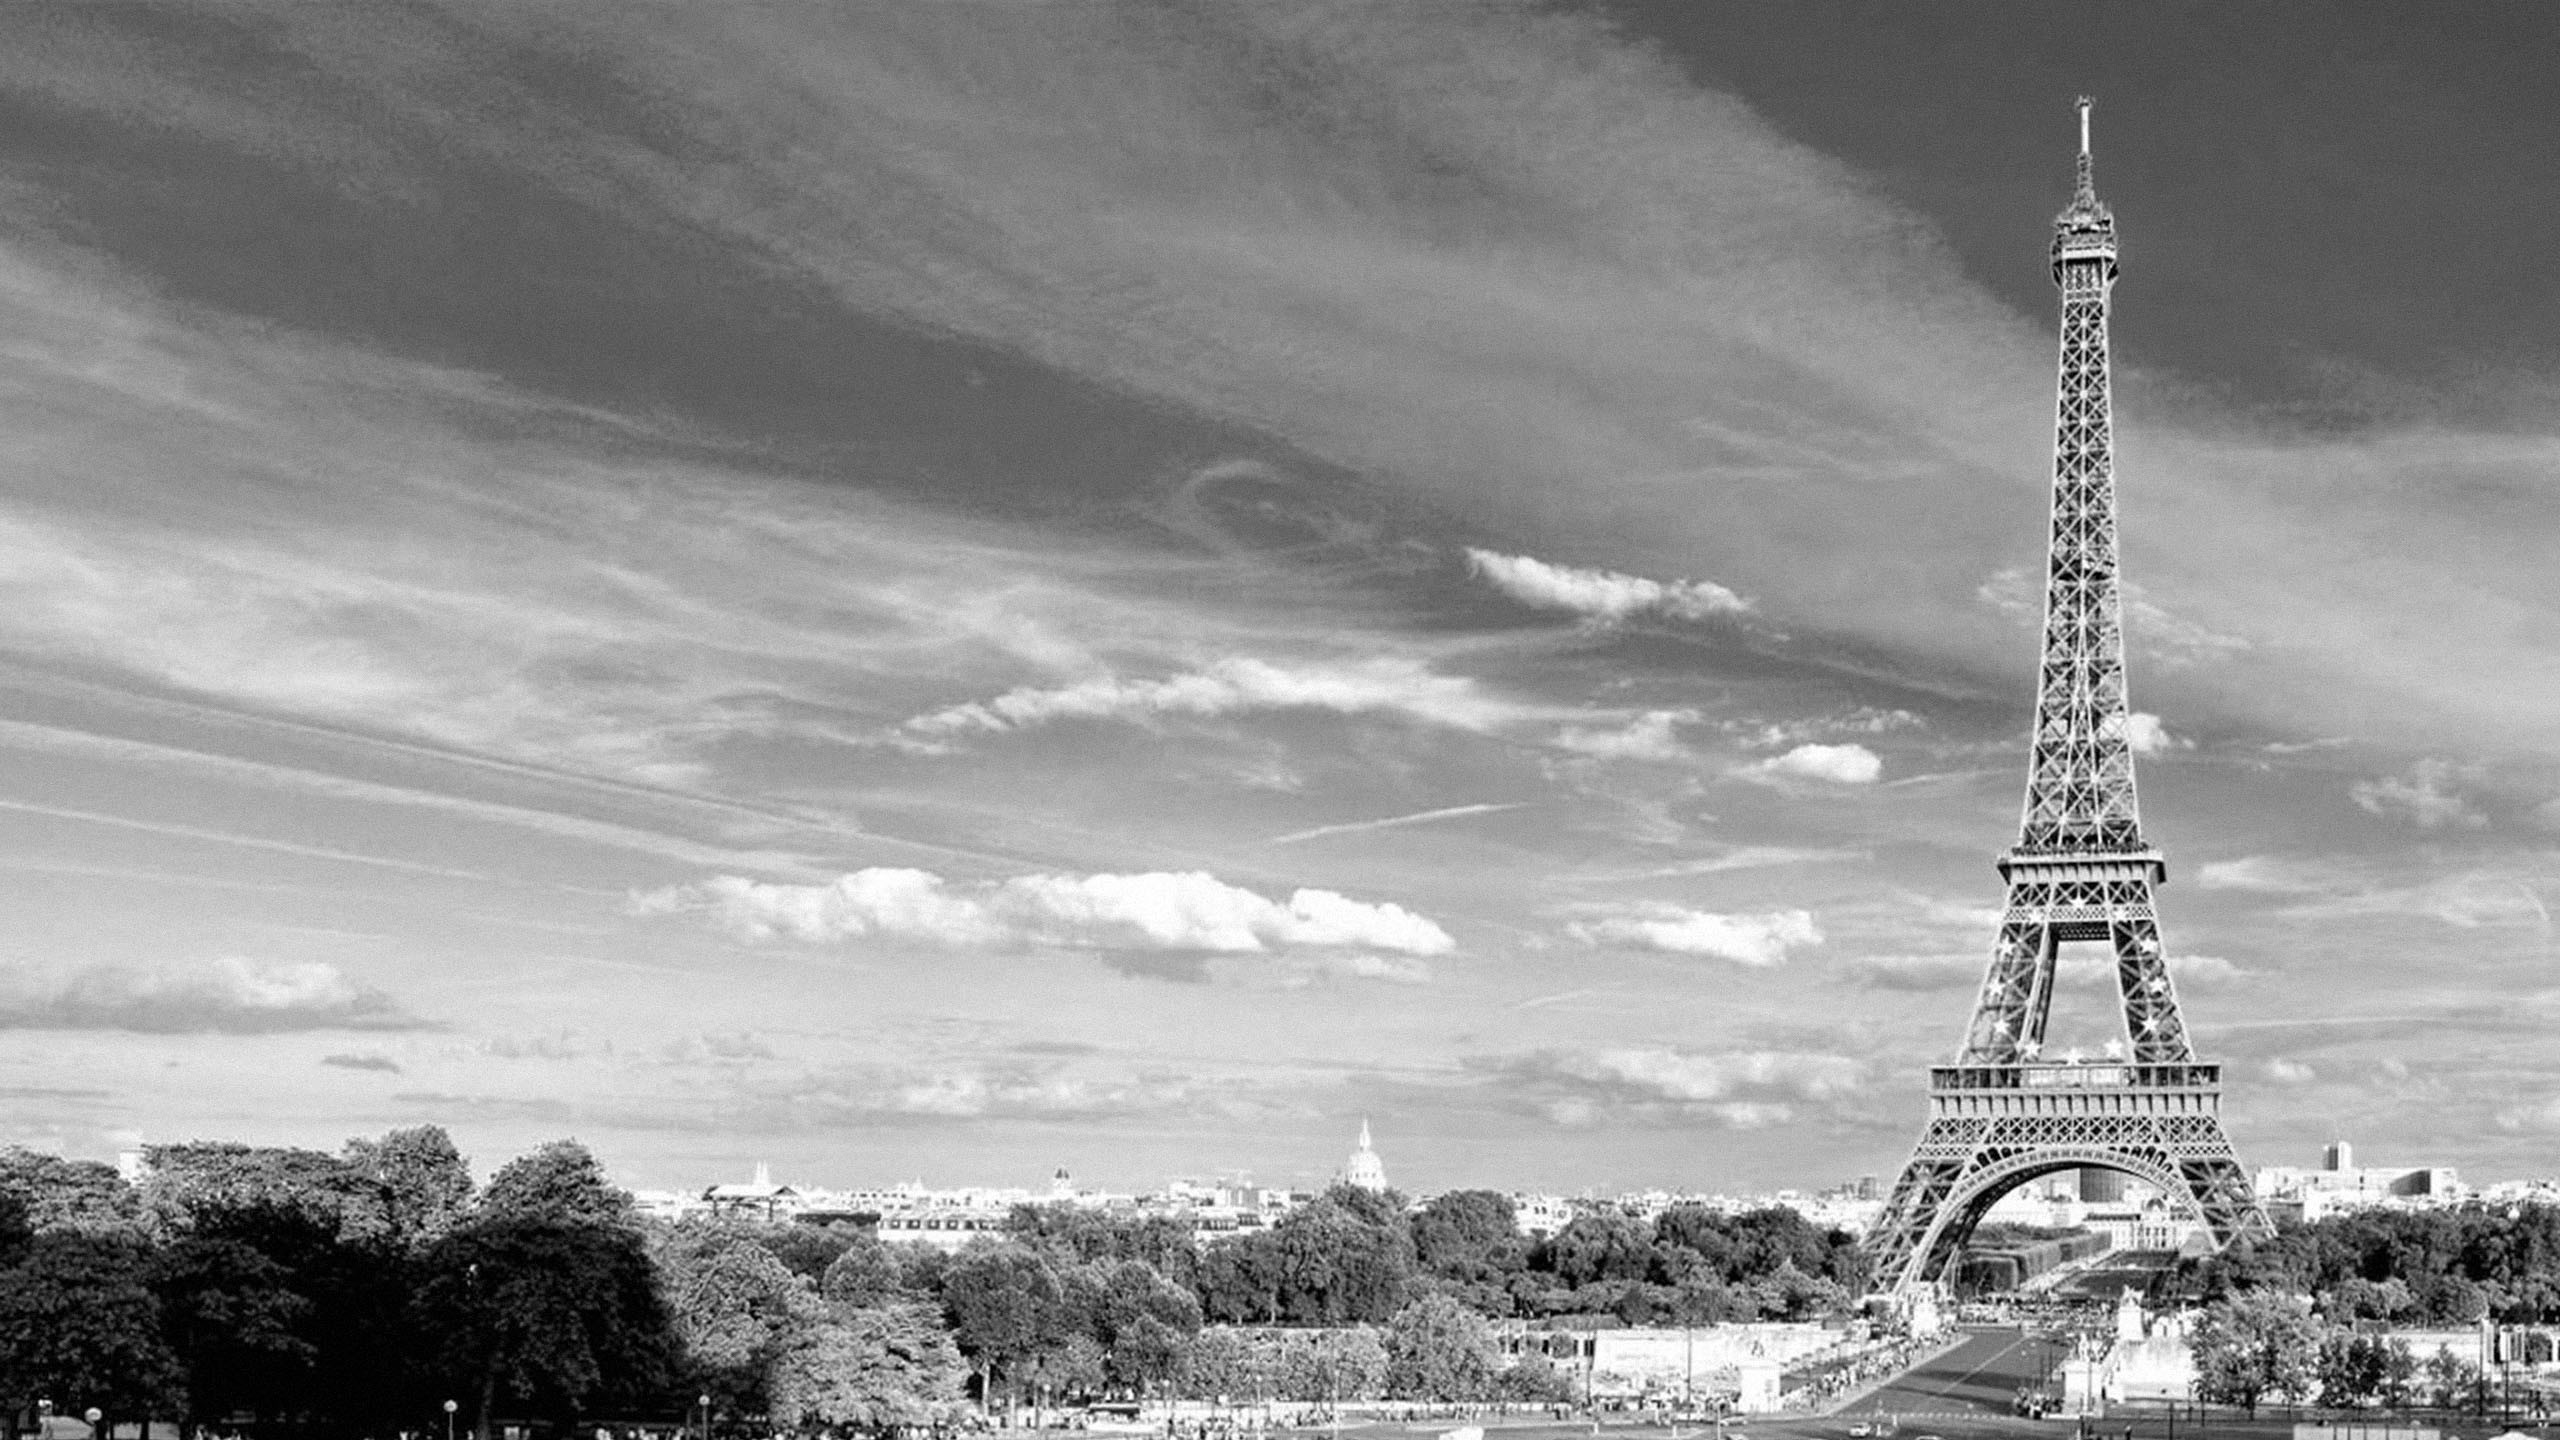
1861,1431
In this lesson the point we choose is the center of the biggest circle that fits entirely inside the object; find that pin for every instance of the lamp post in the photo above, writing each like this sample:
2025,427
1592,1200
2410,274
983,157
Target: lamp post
704,1400
449,1407
93,1415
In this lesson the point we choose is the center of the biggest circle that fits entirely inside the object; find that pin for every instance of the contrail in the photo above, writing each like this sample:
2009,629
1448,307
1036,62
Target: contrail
1424,818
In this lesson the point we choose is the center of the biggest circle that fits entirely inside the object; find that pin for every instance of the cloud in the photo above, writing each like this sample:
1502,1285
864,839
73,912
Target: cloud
1743,1090
1864,720
1392,822
1758,940
718,1047
2290,1072
1833,764
2145,735
1385,685
2430,796
2204,972
1601,596
1650,736
383,1063
562,1044
1154,911
2263,873
229,996
1022,1088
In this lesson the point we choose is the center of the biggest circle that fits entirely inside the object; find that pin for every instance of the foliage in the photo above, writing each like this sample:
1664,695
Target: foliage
2427,1267
870,1369
1006,1308
2256,1346
864,1275
2352,1367
548,1315
422,1181
1438,1349
734,1306
64,1194
77,1317
558,1181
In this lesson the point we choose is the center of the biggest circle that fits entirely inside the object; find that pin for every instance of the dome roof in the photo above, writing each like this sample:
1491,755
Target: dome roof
1364,1170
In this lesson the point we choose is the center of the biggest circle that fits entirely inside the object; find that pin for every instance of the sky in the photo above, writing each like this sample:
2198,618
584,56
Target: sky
951,591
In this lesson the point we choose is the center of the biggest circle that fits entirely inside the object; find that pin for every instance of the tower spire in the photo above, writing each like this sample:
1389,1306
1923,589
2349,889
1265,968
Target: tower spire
2085,193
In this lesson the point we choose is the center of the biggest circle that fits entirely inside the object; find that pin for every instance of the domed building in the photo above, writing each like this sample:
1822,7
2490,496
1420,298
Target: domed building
1364,1170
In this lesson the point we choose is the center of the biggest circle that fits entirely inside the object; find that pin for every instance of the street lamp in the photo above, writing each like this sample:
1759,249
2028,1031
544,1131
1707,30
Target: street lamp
93,1415
449,1407
704,1400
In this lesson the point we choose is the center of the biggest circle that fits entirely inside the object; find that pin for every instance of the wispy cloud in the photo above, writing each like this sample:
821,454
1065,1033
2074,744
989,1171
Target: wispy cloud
1740,1089
1189,911
1653,735
1756,940
1831,764
1603,596
1378,686
1393,822
2429,796
228,996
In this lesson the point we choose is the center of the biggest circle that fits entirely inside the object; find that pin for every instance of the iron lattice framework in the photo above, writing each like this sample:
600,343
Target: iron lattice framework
2002,1114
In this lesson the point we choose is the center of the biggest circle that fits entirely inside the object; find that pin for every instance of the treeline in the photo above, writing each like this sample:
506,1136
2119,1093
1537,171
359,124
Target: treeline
2256,1346
318,1294
2408,1267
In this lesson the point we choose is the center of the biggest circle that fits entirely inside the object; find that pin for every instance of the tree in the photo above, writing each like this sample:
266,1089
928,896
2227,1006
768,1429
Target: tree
1241,1279
2399,1373
735,1307
203,1176
1143,1322
555,1316
2352,1367
1463,1234
864,1275
1330,1365
1533,1379
1438,1349
1006,1305
811,1249
77,1317
2254,1345
559,1180
1222,1364
2450,1380
423,1181
876,1369
1607,1246
1346,1257
64,1194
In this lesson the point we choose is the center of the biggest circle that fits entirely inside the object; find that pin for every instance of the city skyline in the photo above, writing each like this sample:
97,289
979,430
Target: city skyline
961,589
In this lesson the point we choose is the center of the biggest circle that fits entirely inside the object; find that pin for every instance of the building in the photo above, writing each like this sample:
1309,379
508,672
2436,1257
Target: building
1364,1170
2341,1185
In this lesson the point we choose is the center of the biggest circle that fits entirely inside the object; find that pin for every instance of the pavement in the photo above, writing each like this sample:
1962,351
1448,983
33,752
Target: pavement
1981,1376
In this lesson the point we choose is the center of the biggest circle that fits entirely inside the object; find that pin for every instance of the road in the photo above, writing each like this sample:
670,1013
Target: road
1982,1376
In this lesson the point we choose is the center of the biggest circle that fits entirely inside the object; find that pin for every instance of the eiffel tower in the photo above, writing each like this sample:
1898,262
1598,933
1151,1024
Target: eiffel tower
2003,1114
